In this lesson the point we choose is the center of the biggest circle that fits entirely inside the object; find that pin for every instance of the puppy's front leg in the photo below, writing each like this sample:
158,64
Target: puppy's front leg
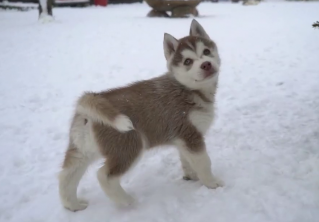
189,173
196,154
201,163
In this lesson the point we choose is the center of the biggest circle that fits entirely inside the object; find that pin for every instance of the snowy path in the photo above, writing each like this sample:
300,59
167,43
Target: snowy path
264,145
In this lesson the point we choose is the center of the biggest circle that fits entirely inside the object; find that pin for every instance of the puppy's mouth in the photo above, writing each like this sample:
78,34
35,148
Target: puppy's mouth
206,76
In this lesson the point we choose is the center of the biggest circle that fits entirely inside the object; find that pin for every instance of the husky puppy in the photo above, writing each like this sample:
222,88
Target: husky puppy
176,108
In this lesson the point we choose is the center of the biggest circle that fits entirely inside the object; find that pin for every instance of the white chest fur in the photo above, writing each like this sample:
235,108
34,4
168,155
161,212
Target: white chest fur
203,117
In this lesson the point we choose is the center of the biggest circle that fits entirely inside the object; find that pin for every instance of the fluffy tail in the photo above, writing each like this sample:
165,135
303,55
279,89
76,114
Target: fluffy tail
99,109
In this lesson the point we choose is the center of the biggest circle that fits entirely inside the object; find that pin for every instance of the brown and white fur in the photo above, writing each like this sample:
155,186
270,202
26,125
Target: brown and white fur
176,109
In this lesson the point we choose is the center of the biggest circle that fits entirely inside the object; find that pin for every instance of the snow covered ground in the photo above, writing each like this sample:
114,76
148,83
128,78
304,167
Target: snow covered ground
264,144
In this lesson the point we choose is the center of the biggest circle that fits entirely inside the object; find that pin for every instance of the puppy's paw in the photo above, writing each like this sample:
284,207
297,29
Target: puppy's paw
77,206
125,200
214,183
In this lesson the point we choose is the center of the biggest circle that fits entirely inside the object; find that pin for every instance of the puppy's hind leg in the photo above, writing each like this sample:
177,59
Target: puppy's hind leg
74,166
110,174
112,187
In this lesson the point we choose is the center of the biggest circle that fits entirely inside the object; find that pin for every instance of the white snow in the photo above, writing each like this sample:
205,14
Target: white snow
264,144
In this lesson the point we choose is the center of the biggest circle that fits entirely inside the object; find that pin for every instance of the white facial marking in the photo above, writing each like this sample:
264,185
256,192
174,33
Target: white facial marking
189,54
190,45
200,48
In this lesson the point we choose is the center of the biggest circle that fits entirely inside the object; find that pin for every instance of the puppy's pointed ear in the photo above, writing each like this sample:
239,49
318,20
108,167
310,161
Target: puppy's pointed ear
170,45
197,30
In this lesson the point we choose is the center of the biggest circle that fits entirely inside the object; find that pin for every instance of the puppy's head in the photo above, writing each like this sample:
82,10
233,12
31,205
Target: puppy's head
193,60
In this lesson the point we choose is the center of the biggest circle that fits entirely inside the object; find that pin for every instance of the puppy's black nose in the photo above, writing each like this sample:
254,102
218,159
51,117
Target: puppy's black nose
207,66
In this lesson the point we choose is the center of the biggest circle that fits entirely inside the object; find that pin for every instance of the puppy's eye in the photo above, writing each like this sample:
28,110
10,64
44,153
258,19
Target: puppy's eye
206,52
187,62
